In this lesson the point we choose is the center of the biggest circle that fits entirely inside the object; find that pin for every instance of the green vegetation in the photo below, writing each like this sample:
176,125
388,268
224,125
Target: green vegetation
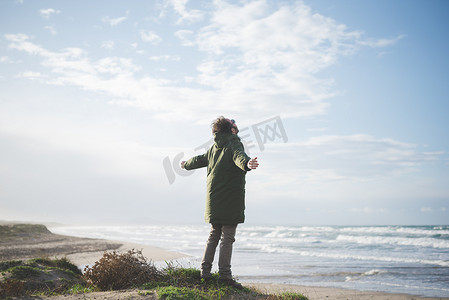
24,272
171,292
43,276
62,264
5,265
38,276
292,296
80,289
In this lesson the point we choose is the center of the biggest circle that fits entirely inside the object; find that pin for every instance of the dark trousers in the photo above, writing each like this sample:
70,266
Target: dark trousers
227,235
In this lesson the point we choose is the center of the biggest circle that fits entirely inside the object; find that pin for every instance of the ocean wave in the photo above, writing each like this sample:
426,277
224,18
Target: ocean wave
374,272
442,263
395,230
264,248
314,229
301,231
403,241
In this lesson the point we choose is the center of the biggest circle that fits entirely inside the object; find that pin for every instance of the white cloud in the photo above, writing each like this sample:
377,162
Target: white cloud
256,54
151,37
16,37
107,45
47,13
6,59
265,53
186,15
352,159
31,75
114,21
51,29
380,43
74,67
342,167
186,37
165,58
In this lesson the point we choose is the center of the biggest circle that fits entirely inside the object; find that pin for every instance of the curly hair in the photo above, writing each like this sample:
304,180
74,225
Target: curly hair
221,124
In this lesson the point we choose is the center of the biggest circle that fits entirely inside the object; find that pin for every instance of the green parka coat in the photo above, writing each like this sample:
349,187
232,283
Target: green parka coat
226,163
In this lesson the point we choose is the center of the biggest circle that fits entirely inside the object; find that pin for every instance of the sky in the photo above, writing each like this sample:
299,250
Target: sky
344,103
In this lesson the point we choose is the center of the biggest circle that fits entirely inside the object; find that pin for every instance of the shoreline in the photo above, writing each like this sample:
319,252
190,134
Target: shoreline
86,251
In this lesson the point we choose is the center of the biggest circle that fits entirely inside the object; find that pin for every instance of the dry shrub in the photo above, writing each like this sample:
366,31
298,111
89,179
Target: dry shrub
116,271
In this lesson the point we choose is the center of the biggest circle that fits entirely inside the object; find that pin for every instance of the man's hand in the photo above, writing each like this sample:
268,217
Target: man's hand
252,163
182,164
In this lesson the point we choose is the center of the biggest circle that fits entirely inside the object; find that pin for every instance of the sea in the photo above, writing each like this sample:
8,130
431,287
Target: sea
396,259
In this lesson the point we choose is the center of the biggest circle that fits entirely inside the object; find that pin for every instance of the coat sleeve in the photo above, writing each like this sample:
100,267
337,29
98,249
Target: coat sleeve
196,162
239,156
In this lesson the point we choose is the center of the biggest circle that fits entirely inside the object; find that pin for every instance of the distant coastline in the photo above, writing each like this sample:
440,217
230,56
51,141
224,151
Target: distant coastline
28,240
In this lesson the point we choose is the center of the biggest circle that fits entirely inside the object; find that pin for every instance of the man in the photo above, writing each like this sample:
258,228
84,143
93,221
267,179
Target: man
227,164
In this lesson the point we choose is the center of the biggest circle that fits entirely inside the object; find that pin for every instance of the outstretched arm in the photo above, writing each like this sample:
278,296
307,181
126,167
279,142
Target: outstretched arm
196,162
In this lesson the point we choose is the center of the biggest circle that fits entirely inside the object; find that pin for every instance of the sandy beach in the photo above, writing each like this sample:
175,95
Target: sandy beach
83,251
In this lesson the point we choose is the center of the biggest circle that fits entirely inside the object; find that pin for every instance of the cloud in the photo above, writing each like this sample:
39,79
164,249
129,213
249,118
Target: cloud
380,43
114,21
265,53
350,158
350,168
165,58
31,75
7,60
255,54
47,13
426,209
150,37
107,45
20,37
21,42
186,37
185,15
51,29
75,68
